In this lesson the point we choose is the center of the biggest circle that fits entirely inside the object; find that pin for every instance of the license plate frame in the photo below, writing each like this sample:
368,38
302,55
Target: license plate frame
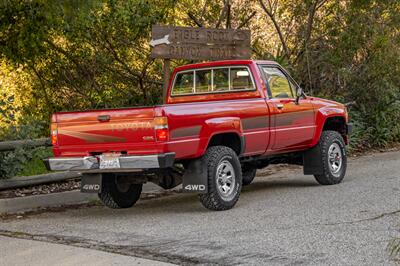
109,161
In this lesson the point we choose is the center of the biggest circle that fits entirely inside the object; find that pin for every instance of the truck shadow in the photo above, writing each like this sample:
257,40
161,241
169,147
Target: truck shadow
186,203
182,203
259,185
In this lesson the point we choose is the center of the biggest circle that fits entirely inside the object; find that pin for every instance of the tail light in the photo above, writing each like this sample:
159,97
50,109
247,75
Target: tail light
161,127
54,133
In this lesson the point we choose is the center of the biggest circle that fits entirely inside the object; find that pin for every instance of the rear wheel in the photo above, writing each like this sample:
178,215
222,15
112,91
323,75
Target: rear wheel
118,195
334,158
224,178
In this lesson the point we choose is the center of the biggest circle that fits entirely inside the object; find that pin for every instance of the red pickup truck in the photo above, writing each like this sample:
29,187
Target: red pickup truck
221,121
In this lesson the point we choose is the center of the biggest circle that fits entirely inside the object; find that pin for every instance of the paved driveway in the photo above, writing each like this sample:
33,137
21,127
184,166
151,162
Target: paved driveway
283,219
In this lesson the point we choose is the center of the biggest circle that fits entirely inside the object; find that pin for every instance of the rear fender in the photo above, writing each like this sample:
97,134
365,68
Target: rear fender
216,126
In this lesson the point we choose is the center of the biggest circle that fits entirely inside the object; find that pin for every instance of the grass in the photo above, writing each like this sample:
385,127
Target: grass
393,249
35,165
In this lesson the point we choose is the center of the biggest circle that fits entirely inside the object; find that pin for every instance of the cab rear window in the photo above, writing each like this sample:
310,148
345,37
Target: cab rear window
183,83
213,80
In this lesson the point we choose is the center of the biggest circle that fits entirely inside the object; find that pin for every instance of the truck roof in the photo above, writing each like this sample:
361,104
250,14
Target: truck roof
223,63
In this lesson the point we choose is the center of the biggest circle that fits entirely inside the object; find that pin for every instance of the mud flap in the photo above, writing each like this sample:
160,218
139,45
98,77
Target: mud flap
195,177
312,161
91,183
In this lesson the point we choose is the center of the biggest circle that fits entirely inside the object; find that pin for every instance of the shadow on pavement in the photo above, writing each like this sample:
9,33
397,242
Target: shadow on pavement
189,203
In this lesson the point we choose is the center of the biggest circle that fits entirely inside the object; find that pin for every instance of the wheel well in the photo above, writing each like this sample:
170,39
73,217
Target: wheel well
231,140
335,123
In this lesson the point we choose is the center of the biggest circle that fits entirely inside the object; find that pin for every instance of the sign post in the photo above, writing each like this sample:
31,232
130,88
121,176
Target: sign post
167,75
188,43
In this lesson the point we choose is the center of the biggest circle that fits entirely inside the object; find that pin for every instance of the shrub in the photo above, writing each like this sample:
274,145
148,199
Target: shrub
23,160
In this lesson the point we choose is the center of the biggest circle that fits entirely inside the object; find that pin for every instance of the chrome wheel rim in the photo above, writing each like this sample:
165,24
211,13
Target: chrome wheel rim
335,159
225,177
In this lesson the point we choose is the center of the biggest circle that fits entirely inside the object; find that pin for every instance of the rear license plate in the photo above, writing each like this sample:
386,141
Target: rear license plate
109,162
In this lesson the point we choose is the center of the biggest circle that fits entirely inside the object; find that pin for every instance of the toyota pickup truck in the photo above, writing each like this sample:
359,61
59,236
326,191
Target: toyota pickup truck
220,122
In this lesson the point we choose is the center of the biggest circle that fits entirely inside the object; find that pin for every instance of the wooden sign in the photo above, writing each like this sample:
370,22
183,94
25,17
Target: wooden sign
199,43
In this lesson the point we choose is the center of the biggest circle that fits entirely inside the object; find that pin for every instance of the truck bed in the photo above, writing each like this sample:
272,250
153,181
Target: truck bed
109,130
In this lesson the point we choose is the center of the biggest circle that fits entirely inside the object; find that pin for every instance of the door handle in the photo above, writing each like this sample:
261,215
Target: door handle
279,105
103,118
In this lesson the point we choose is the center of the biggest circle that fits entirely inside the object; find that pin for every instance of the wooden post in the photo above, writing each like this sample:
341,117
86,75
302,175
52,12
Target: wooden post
167,75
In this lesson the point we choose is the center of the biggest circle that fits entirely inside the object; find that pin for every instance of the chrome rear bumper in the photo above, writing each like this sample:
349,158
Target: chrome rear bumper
126,162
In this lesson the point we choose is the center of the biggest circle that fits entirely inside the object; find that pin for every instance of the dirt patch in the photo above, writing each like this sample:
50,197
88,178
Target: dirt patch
275,168
358,153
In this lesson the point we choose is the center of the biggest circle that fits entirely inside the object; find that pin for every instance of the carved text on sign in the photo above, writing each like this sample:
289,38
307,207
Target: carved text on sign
199,43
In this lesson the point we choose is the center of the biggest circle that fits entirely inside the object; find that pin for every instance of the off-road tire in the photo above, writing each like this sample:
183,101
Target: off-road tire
113,198
327,139
212,159
248,175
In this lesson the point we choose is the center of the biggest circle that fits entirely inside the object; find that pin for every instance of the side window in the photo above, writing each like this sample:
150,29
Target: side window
221,79
278,83
241,79
183,84
293,87
203,81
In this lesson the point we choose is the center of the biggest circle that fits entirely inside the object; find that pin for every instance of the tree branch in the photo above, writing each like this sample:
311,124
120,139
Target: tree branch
228,15
193,17
203,12
222,15
246,20
277,28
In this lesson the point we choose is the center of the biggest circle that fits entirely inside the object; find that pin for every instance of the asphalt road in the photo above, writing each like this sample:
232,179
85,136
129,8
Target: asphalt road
283,219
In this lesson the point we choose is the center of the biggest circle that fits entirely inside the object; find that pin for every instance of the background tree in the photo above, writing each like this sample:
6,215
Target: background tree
59,55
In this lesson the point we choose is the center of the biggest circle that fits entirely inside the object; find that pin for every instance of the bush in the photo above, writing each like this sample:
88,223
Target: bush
23,160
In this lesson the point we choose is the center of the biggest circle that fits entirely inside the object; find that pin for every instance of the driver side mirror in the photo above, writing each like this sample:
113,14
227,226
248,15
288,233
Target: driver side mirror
299,94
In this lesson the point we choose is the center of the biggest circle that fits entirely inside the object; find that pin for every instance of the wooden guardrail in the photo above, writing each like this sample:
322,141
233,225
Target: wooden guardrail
31,143
25,181
34,180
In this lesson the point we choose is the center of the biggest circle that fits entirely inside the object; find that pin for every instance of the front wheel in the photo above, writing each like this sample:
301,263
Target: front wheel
117,195
224,178
334,158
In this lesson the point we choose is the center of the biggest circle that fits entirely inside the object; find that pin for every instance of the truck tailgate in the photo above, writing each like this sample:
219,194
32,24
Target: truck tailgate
120,126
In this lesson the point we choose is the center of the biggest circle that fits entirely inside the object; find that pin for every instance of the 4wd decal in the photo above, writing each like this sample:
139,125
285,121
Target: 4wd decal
195,177
195,187
95,187
91,183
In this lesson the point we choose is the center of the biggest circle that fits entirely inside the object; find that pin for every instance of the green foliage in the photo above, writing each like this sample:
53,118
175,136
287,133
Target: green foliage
34,164
60,55
346,51
23,161
94,51
359,60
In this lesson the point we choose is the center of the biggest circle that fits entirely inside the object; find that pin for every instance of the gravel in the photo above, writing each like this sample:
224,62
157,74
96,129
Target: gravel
67,185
